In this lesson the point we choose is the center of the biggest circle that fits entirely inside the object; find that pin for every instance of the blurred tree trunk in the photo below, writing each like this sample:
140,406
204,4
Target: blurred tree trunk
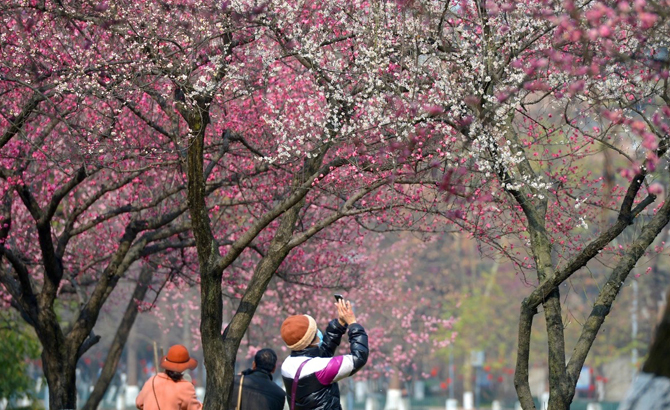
119,342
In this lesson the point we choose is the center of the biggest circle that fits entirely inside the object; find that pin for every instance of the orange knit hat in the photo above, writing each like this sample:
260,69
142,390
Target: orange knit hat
298,331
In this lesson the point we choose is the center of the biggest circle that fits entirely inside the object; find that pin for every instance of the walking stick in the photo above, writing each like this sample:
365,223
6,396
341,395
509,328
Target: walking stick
156,357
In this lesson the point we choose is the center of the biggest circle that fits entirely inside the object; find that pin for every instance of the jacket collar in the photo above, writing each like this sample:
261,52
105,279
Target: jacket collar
262,372
309,352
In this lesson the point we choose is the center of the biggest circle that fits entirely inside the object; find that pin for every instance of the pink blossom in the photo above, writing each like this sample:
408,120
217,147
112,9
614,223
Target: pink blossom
649,141
647,20
656,188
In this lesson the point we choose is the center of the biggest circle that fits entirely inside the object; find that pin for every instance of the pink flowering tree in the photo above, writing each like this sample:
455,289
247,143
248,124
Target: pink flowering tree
384,287
87,193
72,227
314,125
530,98
297,126
509,101
75,217
268,117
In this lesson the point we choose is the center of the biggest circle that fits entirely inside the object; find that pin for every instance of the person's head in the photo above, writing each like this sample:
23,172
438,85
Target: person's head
265,359
299,332
177,361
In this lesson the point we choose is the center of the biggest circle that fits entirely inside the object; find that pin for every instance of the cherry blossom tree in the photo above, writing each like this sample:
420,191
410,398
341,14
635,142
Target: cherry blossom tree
268,116
527,95
299,125
329,166
86,194
72,229
509,100
72,226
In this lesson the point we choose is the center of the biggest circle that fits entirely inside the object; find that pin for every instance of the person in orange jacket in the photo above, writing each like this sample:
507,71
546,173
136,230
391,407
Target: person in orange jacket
169,390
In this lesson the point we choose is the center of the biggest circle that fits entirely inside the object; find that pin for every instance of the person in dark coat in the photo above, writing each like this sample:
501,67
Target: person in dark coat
650,389
312,361
259,392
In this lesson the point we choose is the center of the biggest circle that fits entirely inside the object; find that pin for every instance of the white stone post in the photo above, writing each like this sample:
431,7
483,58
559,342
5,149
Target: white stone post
468,400
452,404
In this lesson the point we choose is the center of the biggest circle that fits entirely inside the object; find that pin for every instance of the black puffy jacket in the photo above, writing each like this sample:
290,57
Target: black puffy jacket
317,387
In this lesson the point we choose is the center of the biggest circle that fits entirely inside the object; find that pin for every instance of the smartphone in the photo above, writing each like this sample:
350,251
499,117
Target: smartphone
338,297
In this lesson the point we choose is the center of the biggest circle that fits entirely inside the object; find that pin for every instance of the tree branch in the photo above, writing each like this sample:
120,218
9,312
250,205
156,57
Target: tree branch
20,120
523,356
298,193
612,288
61,192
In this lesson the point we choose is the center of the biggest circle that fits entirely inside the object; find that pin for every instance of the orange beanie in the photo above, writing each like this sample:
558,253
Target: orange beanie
298,331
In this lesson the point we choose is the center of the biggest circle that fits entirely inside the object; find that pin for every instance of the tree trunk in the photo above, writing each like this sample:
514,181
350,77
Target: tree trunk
131,359
218,365
521,383
223,365
563,378
220,350
468,375
558,399
115,350
394,393
211,297
60,373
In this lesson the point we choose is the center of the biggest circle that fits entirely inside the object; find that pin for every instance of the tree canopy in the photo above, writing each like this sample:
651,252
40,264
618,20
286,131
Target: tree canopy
288,130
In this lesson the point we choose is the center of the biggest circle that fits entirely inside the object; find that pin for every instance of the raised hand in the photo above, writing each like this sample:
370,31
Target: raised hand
345,313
